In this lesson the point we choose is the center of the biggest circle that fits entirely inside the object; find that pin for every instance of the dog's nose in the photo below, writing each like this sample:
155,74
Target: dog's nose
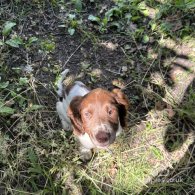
102,136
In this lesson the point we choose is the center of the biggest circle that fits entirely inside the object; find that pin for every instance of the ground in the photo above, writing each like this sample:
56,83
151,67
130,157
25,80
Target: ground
145,48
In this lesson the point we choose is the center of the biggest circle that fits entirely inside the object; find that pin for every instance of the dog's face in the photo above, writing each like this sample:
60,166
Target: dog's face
100,114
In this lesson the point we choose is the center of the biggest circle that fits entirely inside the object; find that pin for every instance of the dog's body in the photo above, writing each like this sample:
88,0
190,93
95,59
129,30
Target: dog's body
96,116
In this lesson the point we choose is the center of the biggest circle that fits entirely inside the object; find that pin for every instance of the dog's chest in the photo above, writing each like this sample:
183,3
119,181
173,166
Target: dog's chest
86,141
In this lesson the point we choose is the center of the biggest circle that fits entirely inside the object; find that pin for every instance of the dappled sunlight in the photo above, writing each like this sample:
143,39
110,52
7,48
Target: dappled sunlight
138,157
145,48
182,70
151,147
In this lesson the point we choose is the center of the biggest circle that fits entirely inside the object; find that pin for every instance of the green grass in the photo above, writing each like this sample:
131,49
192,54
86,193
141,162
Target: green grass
146,46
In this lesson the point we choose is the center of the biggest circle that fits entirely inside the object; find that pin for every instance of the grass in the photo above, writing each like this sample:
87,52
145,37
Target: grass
136,45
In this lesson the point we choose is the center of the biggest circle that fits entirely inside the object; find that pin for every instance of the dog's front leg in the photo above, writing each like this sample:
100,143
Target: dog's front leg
85,153
86,146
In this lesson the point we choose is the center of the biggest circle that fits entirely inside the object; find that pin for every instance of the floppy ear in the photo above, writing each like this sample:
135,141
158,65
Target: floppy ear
75,116
123,105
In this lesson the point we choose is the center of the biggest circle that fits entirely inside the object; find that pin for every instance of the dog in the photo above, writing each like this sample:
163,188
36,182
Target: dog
96,116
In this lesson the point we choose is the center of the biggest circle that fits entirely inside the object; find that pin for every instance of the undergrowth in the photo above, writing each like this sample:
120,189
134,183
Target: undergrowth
36,155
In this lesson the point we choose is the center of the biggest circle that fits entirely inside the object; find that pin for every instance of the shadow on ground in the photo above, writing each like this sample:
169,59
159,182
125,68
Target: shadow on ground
180,173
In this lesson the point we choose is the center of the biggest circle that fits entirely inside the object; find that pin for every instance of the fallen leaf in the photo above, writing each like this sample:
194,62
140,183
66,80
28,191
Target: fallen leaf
118,83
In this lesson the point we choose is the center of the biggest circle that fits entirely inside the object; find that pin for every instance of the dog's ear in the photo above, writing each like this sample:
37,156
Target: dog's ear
123,105
75,116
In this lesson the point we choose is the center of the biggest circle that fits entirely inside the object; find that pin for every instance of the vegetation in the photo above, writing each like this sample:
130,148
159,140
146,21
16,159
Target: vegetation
146,48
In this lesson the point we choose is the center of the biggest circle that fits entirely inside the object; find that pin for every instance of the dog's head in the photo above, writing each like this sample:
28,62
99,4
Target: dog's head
100,114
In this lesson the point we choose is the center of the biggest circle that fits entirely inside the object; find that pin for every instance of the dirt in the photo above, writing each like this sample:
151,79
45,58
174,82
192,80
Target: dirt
70,52
101,58
74,52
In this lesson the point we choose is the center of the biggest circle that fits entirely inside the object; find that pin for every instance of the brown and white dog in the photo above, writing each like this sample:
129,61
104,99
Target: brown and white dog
95,116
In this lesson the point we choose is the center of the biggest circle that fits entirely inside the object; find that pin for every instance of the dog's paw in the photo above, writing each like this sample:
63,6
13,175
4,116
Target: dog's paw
85,154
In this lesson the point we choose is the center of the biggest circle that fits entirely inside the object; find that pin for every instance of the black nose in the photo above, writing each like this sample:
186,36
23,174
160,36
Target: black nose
102,136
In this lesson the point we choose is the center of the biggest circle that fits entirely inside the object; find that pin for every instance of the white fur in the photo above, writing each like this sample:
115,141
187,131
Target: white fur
86,142
86,153
60,82
120,129
62,106
62,112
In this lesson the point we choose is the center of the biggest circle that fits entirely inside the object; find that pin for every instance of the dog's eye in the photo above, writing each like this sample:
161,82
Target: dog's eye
87,115
110,112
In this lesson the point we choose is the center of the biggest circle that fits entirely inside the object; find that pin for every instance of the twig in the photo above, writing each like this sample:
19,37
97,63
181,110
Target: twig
147,71
128,84
73,53
113,71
